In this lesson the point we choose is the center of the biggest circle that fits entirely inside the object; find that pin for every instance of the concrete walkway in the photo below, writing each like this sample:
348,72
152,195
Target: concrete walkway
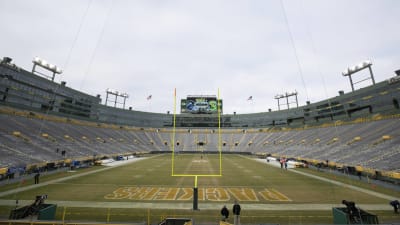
203,206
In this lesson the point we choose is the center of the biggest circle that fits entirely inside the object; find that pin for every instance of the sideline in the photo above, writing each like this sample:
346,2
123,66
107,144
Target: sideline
107,167
376,194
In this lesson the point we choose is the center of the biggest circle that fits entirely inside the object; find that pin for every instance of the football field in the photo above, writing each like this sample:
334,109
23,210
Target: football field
146,188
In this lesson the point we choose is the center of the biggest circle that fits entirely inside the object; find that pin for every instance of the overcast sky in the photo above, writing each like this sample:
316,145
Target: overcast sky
243,48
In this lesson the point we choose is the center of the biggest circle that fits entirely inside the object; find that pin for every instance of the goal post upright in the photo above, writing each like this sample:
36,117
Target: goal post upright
173,135
219,134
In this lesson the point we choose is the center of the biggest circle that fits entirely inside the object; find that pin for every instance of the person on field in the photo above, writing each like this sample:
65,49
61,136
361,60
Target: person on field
224,213
396,205
236,213
352,210
37,175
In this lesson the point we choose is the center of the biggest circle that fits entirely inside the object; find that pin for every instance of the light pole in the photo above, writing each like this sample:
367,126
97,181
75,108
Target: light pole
287,95
354,69
44,64
116,94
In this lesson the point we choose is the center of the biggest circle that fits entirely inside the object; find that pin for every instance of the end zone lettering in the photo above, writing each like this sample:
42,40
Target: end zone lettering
204,194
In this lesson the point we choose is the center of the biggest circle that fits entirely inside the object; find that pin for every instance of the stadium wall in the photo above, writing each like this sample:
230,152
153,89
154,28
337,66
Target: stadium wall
24,90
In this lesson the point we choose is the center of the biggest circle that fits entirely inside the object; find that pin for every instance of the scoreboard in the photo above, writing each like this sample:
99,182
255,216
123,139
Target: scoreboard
201,104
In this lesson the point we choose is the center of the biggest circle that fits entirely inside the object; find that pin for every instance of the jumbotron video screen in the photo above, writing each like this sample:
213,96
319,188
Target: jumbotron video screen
201,104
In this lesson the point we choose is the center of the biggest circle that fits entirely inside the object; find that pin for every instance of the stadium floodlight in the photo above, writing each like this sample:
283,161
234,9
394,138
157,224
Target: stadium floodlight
354,69
116,94
44,64
125,95
111,91
286,95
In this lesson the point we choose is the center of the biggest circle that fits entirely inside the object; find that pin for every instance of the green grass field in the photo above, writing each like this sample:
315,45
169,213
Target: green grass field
146,191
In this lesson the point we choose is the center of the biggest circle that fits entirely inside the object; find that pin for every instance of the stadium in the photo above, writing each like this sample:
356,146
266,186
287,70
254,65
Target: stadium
104,164
196,138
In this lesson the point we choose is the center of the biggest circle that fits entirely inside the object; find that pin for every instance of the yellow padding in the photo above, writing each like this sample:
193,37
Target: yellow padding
332,164
395,175
224,223
386,137
3,170
359,168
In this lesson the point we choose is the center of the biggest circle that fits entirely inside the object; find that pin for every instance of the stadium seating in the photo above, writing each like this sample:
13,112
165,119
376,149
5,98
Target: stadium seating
26,140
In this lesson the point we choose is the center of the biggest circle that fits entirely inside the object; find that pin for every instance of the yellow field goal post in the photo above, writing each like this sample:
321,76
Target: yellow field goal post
219,172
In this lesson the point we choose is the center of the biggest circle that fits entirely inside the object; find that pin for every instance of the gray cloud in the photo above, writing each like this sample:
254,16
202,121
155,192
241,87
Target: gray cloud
242,48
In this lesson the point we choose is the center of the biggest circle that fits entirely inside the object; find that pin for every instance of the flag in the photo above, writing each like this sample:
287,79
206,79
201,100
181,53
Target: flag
250,98
149,97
